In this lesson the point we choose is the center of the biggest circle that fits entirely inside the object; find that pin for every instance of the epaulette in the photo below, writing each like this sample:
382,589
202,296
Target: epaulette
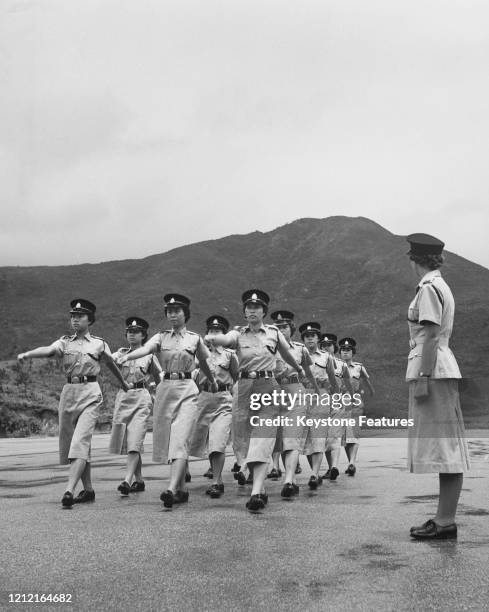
274,327
68,337
298,343
433,286
228,350
357,363
191,332
97,338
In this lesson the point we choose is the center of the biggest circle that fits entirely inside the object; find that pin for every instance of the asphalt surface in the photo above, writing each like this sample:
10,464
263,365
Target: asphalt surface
346,546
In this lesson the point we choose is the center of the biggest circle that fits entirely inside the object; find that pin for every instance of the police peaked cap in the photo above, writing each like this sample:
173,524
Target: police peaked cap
331,338
424,244
175,299
282,316
82,307
217,322
136,324
255,296
312,327
347,343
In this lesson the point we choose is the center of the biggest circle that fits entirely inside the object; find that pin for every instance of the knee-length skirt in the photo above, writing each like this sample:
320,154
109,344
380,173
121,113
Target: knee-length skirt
436,442
292,437
174,416
130,421
79,408
253,443
316,434
213,427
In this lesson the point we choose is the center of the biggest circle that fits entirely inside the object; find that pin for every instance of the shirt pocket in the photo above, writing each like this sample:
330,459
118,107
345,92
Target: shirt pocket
71,358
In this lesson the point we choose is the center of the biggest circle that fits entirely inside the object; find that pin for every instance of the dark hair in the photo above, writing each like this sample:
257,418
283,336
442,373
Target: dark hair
432,262
186,310
348,348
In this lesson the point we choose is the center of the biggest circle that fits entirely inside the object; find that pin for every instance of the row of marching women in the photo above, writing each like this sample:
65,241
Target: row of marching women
208,389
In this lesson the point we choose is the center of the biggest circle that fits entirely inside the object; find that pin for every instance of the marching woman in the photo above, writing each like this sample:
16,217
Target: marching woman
359,376
133,407
81,398
329,343
213,428
323,371
256,345
175,408
437,440
291,438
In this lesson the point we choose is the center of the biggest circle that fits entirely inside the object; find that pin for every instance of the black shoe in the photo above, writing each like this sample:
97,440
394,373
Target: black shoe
334,473
67,500
124,488
180,497
241,478
84,496
350,470
274,474
215,490
208,474
167,498
236,468
296,488
423,526
432,531
287,490
327,475
249,480
188,477
313,482
255,503
138,486
298,469
264,497
320,480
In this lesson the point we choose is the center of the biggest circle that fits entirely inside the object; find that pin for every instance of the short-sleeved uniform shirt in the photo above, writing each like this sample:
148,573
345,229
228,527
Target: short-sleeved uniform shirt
221,362
341,371
357,371
137,370
433,303
178,351
256,350
300,354
322,362
81,355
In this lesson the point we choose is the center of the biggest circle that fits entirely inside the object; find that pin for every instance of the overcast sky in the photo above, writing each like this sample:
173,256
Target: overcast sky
128,128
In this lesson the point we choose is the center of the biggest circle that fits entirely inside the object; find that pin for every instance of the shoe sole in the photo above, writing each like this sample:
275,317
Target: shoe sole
441,536
256,505
287,494
215,495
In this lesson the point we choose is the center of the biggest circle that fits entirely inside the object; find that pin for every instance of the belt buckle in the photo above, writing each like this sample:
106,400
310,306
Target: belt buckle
75,379
252,374
412,344
174,375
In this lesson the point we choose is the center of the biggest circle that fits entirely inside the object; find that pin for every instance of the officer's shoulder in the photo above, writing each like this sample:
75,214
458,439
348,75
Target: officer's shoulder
192,333
300,344
357,363
97,337
270,326
68,337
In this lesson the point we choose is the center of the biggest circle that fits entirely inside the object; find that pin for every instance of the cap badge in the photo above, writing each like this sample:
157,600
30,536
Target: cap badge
172,300
279,317
215,322
254,297
308,327
134,322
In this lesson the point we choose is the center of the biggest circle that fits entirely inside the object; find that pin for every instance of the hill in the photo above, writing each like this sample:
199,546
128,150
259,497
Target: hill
350,274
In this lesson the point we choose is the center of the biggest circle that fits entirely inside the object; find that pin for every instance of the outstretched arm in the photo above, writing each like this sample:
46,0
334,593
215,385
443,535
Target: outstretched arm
37,353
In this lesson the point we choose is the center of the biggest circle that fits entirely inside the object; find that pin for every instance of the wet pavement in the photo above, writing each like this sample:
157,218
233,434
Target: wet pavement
345,545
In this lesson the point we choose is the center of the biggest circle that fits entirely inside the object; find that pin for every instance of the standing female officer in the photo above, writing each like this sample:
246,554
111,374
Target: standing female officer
133,407
437,440
329,343
358,374
81,397
256,346
175,408
323,371
213,428
290,439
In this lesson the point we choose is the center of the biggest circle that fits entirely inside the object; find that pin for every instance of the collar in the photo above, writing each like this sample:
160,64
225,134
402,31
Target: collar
180,332
429,276
86,336
262,328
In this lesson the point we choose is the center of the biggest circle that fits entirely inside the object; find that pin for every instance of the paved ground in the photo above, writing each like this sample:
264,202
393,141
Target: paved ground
345,546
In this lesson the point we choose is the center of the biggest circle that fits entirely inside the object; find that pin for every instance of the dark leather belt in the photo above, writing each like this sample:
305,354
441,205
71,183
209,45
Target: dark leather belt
74,380
284,380
177,375
137,385
257,374
220,387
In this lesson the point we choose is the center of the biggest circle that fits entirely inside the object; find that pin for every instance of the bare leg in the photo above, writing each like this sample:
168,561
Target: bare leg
86,477
138,476
328,455
133,461
290,460
177,475
77,471
351,452
259,470
450,487
217,464
315,460
276,460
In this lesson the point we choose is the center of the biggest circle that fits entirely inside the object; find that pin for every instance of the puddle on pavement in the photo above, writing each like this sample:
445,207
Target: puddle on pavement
375,557
29,484
474,511
16,496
